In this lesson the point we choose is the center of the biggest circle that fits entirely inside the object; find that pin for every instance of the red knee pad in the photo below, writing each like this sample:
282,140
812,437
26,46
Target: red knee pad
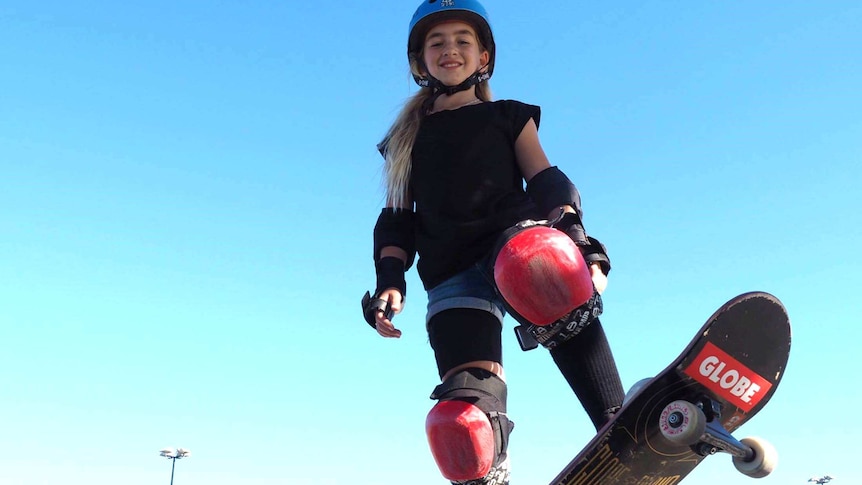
541,274
461,439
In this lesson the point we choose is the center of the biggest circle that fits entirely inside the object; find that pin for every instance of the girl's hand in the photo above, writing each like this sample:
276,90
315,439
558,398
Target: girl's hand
384,325
600,280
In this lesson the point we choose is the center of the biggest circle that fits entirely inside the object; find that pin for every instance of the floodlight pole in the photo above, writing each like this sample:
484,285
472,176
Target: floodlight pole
173,465
174,455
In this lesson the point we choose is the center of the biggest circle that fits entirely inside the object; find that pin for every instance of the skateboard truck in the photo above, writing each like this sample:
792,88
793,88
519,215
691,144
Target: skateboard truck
715,437
699,426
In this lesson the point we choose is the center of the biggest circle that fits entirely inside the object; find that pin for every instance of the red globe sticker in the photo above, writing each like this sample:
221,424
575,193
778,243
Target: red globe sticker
728,378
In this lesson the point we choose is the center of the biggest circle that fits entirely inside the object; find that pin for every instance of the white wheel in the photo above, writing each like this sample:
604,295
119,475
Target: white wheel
765,458
635,388
682,423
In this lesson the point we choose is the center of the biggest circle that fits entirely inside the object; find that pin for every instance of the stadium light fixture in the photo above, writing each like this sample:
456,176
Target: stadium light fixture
174,455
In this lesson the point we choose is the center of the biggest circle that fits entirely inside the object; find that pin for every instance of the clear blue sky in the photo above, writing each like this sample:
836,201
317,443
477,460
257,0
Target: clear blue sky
188,191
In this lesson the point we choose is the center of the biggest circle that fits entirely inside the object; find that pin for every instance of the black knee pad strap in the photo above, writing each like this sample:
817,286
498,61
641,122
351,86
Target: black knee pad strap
564,329
571,325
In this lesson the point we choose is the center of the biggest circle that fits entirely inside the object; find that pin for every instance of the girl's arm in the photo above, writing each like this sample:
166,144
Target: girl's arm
531,160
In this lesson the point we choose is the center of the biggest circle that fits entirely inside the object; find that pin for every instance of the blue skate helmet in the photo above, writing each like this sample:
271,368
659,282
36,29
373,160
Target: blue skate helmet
433,12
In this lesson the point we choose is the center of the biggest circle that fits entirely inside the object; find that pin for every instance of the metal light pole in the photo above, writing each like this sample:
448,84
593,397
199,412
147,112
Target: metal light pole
174,455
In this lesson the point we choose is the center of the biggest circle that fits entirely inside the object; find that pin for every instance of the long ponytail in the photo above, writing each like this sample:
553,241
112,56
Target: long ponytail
397,148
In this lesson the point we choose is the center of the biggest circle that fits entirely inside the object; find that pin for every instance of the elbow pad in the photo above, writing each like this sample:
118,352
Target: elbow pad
550,189
396,227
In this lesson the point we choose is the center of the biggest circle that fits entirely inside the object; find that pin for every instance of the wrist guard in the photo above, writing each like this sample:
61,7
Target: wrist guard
390,274
593,250
370,307
571,224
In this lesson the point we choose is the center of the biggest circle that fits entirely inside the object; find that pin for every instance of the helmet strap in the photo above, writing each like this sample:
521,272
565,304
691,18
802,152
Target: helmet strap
440,89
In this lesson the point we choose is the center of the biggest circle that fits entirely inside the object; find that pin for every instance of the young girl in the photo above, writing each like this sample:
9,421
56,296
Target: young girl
455,167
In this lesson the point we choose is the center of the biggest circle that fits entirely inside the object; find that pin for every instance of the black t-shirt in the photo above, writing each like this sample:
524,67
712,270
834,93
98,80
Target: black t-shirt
466,184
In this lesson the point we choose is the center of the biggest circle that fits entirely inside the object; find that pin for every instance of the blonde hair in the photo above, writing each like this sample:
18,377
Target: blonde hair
397,145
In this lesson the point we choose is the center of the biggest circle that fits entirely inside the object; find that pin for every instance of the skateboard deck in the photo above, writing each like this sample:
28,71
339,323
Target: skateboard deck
725,376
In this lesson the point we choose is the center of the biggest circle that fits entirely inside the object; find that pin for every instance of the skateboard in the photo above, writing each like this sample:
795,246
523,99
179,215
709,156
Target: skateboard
670,423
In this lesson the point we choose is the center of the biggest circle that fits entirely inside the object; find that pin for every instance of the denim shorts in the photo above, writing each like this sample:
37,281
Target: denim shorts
472,288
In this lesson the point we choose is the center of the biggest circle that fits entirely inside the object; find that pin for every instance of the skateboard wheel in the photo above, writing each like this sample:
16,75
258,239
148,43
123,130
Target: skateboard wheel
635,389
764,461
682,423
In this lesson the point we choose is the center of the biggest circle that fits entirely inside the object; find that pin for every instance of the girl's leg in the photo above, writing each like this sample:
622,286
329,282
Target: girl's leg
588,366
468,428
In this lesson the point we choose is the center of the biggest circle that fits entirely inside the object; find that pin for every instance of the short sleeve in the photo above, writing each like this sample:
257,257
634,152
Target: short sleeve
520,113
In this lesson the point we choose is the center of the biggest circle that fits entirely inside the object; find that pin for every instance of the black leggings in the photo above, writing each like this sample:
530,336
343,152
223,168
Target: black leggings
461,335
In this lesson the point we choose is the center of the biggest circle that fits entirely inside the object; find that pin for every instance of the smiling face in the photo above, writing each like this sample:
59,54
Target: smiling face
452,52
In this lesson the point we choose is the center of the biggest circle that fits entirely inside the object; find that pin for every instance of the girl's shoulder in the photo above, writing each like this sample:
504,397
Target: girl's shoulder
513,103
518,111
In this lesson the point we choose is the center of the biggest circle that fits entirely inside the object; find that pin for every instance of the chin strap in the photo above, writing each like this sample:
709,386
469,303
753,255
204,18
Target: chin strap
440,89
